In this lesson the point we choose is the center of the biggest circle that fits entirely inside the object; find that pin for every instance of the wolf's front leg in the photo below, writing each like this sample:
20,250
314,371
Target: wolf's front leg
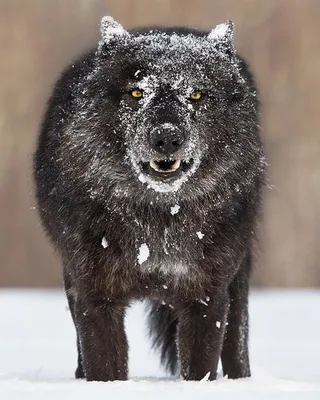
104,348
200,336
235,353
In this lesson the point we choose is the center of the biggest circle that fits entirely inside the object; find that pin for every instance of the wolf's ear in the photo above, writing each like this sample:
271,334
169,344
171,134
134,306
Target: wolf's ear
111,30
223,38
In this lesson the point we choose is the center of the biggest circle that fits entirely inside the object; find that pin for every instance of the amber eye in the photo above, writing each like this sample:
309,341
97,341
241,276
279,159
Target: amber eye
136,93
196,95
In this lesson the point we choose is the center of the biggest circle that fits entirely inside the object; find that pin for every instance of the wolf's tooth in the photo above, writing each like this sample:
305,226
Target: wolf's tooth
175,166
154,165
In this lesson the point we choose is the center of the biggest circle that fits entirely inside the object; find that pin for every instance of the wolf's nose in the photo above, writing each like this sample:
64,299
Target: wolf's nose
166,140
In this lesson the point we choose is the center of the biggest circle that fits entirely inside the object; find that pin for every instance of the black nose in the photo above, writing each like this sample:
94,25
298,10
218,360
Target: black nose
166,140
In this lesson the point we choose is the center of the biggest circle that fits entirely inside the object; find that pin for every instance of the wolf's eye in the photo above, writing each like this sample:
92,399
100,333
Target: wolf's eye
196,95
136,93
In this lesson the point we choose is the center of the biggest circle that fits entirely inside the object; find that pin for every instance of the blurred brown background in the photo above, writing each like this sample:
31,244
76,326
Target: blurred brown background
281,40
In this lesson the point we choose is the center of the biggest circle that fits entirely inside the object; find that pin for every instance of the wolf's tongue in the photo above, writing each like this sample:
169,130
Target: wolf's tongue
165,166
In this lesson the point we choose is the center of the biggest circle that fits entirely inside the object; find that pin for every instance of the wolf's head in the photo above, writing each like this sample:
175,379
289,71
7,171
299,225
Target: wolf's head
169,110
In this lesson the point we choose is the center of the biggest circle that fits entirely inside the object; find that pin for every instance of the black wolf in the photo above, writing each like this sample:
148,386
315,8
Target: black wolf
149,171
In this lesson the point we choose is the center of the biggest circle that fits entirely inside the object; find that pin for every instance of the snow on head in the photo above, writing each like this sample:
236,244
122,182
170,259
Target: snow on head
223,37
167,68
175,209
143,253
222,31
165,57
111,29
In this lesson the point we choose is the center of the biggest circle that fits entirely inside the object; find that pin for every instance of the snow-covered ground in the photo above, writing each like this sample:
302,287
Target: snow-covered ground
38,353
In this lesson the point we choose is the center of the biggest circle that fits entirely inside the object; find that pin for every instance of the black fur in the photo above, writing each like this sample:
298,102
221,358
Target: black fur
163,330
104,207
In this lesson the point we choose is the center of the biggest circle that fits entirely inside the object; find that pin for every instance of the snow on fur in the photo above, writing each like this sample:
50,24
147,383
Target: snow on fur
143,253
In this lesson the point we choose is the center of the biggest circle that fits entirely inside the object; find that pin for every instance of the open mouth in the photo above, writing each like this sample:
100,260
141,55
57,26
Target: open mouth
165,166
165,169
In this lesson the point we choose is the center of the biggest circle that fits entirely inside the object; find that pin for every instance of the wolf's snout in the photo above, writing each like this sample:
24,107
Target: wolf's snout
166,140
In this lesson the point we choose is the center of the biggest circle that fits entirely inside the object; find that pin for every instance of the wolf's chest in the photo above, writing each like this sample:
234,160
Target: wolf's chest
168,251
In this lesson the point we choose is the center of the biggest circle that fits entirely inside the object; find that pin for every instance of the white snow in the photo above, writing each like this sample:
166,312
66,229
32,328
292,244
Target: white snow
38,353
175,209
143,253
104,243
219,32
109,29
200,235
218,324
206,377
